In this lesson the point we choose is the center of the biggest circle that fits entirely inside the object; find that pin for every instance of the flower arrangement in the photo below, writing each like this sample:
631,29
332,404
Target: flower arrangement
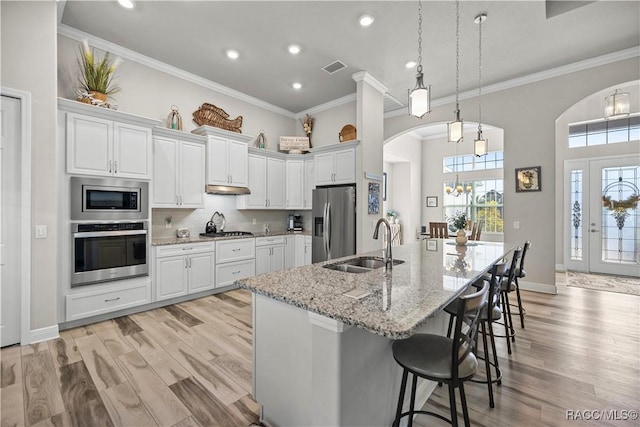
97,75
391,213
307,126
458,220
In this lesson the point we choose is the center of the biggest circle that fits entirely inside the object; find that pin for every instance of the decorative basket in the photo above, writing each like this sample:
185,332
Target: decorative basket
210,115
348,133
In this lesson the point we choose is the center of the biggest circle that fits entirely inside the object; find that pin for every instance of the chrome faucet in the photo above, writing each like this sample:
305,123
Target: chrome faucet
387,255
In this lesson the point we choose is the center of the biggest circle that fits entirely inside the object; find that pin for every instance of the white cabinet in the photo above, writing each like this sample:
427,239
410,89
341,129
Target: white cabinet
102,147
270,255
235,260
290,251
309,183
266,182
302,250
335,167
226,156
107,298
178,171
183,269
295,184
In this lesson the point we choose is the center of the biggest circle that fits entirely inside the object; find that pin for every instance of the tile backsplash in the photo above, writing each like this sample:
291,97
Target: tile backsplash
239,220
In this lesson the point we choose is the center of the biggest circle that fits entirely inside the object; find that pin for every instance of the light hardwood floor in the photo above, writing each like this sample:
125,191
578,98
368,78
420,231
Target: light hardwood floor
190,365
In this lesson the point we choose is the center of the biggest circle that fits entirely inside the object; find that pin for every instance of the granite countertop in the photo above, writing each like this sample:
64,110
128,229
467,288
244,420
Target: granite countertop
399,300
162,241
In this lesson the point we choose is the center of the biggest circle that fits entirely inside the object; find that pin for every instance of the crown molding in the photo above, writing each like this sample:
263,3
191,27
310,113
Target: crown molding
60,4
363,76
327,105
586,64
115,49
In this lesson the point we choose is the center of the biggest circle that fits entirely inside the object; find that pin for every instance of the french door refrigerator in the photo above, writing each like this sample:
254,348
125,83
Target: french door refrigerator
334,222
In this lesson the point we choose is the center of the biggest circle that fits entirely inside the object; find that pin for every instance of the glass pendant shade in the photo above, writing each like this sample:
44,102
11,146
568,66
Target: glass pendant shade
480,145
420,98
617,105
454,129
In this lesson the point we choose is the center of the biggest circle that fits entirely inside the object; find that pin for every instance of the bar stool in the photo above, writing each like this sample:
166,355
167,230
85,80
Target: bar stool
442,359
491,313
508,285
520,273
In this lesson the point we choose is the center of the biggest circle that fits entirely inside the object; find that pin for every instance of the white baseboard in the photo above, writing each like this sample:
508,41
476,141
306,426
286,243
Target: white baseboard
42,334
538,287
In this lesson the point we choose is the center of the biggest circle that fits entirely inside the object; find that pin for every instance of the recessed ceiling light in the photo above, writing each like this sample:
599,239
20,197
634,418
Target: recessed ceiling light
297,85
232,54
294,49
366,20
410,64
127,4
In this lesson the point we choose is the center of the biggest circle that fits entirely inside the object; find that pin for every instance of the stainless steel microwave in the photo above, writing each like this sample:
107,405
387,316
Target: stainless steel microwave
108,199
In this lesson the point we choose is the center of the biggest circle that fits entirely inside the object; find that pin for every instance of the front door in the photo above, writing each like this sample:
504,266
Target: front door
614,216
10,185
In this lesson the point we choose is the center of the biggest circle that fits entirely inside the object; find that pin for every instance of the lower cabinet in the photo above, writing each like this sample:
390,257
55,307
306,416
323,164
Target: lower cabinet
235,260
131,293
184,269
270,254
302,250
307,250
290,251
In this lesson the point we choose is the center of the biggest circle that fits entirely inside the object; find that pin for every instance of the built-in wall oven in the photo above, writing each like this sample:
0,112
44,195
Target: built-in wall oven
108,251
109,230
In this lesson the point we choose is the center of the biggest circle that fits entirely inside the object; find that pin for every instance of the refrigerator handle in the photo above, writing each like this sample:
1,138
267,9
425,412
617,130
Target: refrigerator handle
329,229
324,230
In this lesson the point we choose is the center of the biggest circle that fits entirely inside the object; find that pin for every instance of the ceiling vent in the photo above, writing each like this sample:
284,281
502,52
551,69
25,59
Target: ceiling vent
334,67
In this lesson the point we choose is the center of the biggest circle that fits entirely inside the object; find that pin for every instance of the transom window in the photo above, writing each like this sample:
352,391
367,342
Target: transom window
469,162
602,132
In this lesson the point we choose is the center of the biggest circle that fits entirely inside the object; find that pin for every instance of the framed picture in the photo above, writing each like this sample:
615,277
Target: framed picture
432,201
374,198
528,179
432,245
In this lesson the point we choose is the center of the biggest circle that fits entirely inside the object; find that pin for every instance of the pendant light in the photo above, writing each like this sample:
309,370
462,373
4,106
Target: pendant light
617,105
480,144
420,96
455,128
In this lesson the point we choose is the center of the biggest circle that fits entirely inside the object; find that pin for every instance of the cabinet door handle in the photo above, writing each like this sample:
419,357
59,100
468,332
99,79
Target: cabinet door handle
235,250
181,200
237,272
112,299
187,249
186,263
115,168
109,166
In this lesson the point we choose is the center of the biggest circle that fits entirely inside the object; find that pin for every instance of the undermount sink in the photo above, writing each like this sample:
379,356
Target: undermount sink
360,264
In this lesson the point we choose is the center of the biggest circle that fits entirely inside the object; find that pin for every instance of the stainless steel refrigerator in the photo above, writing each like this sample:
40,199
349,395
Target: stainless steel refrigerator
334,222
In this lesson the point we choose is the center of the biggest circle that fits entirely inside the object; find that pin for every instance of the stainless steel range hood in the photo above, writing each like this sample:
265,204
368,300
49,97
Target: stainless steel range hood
226,190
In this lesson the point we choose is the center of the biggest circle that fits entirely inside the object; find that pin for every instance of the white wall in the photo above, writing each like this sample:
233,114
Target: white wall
527,115
589,108
29,64
328,124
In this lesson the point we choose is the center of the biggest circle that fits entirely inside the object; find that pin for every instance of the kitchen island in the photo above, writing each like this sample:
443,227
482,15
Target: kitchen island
324,358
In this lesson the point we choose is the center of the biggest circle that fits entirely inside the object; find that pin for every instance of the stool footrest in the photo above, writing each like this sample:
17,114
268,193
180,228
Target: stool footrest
431,414
497,379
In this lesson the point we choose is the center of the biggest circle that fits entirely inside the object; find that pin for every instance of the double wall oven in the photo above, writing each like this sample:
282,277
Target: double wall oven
109,230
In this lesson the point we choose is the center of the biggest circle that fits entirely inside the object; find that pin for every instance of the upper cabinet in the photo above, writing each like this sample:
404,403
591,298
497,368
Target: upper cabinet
178,169
266,182
103,142
335,164
226,156
295,184
309,183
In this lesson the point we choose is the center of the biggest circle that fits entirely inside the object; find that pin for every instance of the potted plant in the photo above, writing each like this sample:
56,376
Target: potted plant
96,76
458,221
392,216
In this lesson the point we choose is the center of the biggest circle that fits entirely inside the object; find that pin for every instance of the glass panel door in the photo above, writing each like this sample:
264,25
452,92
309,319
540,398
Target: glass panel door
614,216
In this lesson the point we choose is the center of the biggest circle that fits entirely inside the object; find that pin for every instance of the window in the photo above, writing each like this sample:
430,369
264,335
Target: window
604,132
483,202
469,162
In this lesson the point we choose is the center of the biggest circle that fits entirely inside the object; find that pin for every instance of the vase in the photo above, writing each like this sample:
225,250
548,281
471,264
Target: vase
461,238
94,95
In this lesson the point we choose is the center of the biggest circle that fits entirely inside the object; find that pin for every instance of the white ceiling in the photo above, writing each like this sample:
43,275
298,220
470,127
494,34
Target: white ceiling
518,39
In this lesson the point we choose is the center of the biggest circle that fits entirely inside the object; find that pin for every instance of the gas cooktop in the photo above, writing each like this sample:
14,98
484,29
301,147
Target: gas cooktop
227,234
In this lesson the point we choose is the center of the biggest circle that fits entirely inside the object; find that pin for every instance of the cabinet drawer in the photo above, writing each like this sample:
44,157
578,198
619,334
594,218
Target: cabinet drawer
228,273
274,240
89,304
184,249
235,250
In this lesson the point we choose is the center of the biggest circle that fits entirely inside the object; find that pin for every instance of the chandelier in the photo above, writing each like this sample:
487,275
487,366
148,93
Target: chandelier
455,128
458,187
617,105
480,144
420,96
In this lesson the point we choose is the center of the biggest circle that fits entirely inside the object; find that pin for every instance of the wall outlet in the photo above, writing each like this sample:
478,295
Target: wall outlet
516,225
168,221
41,231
